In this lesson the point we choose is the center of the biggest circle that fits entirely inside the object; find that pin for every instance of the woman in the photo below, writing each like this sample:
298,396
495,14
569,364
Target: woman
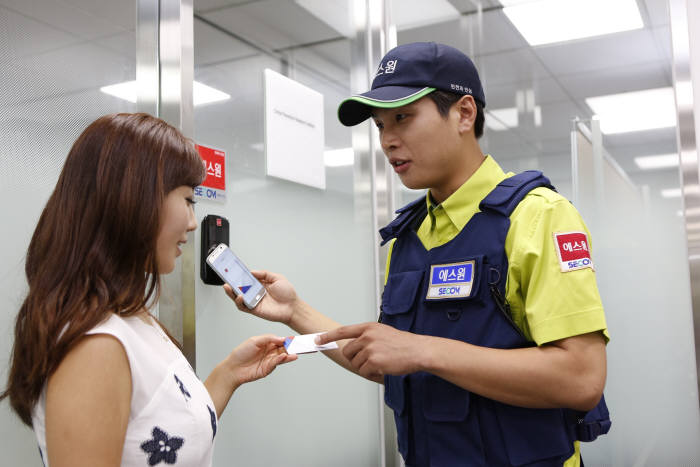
94,374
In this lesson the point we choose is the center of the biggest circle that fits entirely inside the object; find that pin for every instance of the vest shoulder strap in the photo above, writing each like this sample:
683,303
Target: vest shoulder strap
502,199
406,218
505,197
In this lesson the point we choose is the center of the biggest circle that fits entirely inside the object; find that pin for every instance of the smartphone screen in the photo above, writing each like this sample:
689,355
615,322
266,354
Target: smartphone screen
236,274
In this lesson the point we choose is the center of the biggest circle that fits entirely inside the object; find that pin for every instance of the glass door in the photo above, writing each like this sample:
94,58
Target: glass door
56,58
630,197
310,412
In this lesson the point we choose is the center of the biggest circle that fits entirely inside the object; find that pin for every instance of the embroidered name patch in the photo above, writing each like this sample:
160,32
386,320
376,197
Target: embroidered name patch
573,250
452,280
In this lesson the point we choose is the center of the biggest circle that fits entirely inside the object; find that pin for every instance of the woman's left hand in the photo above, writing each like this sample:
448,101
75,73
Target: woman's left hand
257,357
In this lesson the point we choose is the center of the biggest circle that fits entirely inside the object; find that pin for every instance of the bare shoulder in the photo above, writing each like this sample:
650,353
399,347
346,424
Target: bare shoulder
97,359
93,378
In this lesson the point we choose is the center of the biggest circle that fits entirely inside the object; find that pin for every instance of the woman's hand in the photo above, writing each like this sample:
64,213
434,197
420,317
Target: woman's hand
279,302
256,358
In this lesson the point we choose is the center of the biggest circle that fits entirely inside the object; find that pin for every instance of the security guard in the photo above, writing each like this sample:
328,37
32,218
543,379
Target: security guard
492,338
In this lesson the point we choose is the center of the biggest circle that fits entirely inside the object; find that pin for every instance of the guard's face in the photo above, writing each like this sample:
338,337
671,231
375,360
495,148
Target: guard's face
177,219
421,145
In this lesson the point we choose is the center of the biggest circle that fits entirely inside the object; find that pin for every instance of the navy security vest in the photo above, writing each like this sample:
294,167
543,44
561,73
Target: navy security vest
456,291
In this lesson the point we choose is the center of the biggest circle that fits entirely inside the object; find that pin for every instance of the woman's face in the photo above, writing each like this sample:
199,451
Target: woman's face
177,218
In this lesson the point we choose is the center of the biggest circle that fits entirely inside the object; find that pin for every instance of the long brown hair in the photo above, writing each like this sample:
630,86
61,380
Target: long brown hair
93,249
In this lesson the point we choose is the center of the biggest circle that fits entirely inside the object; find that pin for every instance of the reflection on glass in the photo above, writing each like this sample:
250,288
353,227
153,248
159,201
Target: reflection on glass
321,239
637,234
54,58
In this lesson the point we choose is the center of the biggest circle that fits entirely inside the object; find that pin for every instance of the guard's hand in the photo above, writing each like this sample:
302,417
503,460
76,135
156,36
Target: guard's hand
277,304
377,349
256,358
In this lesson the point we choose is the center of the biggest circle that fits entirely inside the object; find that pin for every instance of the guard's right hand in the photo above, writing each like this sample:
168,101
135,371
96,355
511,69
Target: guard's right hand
277,304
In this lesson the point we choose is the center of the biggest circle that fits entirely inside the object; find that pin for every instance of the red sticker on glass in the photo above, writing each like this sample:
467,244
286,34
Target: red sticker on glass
573,250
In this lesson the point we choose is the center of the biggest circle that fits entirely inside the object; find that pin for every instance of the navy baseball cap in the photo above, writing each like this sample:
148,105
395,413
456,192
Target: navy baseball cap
409,72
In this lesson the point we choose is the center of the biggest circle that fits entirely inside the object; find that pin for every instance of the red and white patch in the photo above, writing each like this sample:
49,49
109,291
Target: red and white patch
574,250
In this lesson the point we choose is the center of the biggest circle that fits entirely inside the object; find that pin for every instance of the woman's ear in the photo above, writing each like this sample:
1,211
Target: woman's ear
466,109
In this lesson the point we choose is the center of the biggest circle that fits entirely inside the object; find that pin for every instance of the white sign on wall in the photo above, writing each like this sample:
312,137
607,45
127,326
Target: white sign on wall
294,134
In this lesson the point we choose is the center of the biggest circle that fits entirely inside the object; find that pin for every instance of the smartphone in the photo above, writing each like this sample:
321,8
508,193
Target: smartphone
232,271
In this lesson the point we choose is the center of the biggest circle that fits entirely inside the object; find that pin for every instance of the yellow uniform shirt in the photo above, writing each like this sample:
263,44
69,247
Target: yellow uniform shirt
546,303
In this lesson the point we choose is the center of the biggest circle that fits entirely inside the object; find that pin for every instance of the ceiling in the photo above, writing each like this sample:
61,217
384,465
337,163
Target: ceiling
72,47
560,75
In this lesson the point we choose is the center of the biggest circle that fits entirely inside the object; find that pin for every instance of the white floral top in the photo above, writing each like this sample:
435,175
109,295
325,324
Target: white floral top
173,419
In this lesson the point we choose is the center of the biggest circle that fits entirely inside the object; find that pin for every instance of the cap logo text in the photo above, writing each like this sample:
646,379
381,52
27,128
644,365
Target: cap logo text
387,68
459,87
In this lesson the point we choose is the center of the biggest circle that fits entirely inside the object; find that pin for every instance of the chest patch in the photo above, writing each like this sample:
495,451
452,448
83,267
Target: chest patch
453,280
573,249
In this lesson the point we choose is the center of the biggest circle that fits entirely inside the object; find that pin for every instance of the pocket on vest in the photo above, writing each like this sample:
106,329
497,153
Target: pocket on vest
398,298
454,439
445,402
534,434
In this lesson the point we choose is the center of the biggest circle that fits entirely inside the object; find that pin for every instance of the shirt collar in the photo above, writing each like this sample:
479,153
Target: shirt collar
461,205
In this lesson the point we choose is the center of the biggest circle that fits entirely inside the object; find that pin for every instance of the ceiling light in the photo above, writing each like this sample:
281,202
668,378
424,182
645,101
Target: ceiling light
635,111
125,90
409,14
202,94
538,116
661,161
548,21
339,157
671,193
504,119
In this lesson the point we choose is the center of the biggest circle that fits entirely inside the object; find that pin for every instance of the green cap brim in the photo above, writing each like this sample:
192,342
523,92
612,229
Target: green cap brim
357,109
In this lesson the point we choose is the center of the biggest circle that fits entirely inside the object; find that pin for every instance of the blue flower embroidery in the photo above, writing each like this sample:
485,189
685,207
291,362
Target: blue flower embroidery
162,448
212,415
182,387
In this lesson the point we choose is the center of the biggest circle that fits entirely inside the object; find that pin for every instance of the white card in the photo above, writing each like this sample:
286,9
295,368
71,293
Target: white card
305,344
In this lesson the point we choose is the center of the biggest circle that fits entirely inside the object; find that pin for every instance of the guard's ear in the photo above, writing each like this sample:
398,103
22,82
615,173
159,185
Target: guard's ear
466,109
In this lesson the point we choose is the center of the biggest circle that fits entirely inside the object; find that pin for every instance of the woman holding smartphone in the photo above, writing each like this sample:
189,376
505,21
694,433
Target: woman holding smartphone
94,374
